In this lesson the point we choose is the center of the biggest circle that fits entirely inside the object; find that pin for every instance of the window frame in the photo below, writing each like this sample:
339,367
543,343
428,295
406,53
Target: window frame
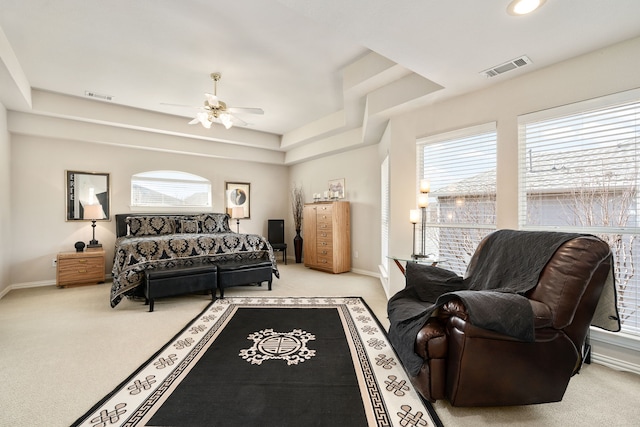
179,177
629,337
476,231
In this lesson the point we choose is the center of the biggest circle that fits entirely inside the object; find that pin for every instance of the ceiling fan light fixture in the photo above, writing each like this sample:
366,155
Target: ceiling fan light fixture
226,120
523,7
216,110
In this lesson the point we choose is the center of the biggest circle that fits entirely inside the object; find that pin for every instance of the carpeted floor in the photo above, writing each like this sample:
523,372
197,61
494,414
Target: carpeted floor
62,350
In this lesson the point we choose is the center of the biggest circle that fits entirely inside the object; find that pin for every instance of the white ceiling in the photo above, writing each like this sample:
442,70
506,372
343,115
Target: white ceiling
286,56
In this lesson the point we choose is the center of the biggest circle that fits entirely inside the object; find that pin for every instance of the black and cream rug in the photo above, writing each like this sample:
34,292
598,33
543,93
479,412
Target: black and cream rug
271,362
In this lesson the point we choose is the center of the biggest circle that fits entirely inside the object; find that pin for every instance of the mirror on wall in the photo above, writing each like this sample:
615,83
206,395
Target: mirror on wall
87,196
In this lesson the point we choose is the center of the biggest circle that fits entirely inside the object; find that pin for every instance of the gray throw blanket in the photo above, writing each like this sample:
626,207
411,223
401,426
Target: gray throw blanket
506,267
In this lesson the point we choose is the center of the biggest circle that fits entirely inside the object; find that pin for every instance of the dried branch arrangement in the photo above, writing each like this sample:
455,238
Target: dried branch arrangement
297,205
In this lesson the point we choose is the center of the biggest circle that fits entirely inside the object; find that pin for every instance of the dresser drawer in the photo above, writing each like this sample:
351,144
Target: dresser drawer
325,234
323,244
324,225
324,216
325,261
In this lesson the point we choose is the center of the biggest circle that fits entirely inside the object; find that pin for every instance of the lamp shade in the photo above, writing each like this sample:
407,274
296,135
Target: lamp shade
237,212
414,216
425,186
423,200
93,212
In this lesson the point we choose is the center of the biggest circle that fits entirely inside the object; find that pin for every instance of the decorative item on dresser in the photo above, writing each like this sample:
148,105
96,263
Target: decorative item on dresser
80,268
327,234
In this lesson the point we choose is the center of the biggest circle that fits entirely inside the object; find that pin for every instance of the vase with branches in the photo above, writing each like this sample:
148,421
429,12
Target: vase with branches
297,206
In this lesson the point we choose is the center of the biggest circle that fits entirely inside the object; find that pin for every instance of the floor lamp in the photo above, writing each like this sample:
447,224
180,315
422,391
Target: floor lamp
414,215
423,203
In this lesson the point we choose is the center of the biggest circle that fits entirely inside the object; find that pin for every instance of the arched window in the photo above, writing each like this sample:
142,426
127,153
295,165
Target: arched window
170,189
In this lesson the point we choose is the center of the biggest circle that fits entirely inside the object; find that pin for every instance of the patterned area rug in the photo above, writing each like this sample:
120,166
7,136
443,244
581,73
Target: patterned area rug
271,362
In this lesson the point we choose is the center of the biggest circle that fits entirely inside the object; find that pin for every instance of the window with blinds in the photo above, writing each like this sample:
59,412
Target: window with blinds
170,189
384,213
579,171
461,169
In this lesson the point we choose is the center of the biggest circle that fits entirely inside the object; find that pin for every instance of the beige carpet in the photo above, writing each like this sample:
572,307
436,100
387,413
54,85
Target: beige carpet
62,350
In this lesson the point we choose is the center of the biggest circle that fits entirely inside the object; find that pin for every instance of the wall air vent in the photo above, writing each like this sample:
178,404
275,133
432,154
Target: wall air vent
98,96
507,66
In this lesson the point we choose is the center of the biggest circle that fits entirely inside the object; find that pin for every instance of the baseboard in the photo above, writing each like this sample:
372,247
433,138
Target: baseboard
615,364
5,291
26,285
37,284
365,272
622,343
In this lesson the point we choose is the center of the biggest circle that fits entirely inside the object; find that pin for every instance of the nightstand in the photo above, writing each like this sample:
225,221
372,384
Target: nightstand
80,268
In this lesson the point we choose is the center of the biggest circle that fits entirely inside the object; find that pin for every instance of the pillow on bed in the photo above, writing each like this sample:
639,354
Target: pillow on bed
187,226
214,223
150,225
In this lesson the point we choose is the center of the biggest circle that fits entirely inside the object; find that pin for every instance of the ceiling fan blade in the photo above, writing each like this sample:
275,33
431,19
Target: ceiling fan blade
238,121
245,110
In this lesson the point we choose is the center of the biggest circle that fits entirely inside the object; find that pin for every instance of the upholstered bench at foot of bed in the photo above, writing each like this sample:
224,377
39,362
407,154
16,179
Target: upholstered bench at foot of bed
174,281
243,273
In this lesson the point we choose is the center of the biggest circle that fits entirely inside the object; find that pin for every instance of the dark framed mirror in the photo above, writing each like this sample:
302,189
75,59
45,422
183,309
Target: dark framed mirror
87,196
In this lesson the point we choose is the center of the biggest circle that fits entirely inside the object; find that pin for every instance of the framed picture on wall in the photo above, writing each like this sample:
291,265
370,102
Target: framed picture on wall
336,188
87,196
237,200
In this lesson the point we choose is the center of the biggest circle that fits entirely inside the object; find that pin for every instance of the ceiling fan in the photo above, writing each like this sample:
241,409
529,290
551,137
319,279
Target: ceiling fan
215,110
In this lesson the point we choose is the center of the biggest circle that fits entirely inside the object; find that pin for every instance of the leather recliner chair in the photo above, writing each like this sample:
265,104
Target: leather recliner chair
472,366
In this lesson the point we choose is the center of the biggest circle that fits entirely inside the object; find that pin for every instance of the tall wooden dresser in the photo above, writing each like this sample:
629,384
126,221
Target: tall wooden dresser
327,236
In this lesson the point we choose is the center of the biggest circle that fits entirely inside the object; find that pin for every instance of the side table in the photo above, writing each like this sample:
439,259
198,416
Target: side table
80,268
427,260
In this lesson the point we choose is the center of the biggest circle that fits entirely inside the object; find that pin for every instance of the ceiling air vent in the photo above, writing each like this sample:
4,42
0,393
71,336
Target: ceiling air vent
507,66
98,96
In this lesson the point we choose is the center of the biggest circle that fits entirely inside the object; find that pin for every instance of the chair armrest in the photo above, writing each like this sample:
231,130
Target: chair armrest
431,341
542,316
455,307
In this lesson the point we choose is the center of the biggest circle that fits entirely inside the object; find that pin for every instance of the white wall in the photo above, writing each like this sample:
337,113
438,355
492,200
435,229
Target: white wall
361,170
38,195
5,202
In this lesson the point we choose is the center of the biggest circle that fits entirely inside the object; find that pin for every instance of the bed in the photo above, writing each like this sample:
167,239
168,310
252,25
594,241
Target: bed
153,241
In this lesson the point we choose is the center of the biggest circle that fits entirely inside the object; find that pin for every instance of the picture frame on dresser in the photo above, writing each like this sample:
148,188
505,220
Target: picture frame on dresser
237,194
337,188
87,189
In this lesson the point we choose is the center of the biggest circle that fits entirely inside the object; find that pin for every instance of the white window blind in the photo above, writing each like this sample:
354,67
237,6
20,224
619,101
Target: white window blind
461,168
579,171
384,214
170,189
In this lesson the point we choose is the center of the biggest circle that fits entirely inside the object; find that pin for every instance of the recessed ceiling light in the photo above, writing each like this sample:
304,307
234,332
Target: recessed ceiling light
522,7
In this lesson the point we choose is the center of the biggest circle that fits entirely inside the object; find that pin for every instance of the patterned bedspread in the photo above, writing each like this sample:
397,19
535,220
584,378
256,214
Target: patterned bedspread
134,255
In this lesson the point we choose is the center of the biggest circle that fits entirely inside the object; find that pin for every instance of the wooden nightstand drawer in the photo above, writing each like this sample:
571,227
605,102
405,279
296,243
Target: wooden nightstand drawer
80,268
